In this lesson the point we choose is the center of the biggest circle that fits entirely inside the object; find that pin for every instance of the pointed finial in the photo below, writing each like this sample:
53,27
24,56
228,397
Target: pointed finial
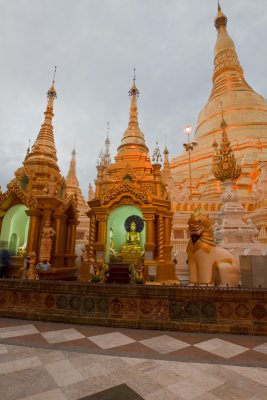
166,151
134,91
156,158
55,71
28,150
220,19
51,92
73,153
106,155
134,77
107,141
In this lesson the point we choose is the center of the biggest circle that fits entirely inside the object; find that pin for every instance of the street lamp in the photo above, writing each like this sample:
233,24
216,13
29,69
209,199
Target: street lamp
189,146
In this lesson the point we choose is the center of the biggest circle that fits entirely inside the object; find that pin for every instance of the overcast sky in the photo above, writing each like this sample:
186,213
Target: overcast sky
95,45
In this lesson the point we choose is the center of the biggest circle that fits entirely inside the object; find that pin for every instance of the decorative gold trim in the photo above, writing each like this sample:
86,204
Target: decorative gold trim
29,200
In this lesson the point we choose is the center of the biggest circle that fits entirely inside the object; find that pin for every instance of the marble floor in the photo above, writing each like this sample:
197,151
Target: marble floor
55,361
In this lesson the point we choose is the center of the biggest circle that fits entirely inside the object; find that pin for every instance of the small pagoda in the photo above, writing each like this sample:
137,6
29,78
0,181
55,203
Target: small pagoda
131,216
73,187
36,214
234,229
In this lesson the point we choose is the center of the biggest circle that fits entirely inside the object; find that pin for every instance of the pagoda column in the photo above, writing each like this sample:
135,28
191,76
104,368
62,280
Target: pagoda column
101,232
99,246
98,183
160,235
58,223
92,237
167,230
34,230
73,225
167,237
150,233
58,253
71,238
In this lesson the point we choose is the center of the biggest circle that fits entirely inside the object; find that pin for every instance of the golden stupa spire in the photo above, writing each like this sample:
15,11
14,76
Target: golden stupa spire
134,94
44,146
224,165
106,154
166,163
71,178
166,171
133,138
228,74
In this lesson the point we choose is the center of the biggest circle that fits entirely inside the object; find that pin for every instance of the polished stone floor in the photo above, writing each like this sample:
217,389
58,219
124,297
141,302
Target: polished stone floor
55,361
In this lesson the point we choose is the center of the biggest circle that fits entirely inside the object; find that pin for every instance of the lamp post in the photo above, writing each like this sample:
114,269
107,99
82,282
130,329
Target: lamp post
189,146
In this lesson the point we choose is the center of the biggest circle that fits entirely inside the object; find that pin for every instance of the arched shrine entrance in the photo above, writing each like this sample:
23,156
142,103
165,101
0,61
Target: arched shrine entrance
15,227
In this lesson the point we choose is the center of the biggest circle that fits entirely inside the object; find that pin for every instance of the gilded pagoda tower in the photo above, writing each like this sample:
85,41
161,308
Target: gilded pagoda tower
246,115
131,216
73,187
36,214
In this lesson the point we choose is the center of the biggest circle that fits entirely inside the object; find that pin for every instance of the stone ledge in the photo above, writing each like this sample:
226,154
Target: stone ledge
194,309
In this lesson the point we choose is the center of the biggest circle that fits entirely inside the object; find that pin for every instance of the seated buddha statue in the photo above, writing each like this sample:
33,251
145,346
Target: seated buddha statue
133,239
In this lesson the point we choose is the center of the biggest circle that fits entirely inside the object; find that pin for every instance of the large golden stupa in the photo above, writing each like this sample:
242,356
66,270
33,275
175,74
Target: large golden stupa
193,184
245,112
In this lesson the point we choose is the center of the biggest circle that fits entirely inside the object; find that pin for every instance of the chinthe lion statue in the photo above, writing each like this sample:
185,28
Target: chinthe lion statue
208,263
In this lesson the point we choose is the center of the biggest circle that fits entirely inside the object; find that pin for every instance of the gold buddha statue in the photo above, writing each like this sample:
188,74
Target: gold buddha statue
132,249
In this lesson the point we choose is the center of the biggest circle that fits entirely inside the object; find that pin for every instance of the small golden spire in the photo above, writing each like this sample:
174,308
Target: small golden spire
166,163
133,137
28,150
73,153
166,151
51,92
106,155
134,94
71,178
134,91
224,164
44,145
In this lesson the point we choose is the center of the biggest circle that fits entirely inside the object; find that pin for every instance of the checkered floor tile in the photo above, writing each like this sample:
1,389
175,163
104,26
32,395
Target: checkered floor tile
156,344
261,348
164,344
47,361
221,348
63,335
110,340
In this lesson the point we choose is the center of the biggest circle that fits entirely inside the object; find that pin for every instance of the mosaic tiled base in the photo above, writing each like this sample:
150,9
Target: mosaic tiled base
200,309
